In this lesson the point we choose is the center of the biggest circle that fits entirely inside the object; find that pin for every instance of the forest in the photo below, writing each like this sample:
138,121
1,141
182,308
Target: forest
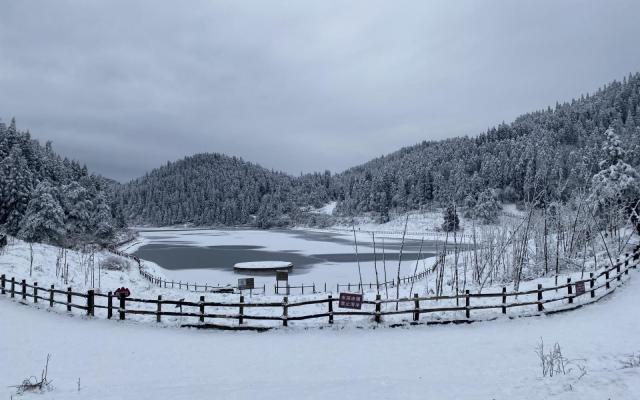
587,149
45,198
552,155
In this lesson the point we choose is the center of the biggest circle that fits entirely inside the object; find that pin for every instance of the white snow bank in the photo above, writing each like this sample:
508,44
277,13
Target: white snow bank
263,265
127,360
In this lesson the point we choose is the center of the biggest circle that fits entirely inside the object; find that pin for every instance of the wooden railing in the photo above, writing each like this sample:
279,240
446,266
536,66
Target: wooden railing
209,313
277,289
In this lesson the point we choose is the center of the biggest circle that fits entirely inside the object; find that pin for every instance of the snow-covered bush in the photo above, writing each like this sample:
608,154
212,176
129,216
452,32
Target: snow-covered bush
115,263
451,221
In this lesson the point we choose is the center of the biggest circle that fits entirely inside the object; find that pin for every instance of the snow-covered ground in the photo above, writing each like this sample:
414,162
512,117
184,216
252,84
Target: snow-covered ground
425,223
492,360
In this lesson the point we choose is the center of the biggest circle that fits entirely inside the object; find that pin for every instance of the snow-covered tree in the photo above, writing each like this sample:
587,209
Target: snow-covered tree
44,218
451,221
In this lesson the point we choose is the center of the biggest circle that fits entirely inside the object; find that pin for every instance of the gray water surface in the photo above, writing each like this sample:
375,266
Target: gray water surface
177,255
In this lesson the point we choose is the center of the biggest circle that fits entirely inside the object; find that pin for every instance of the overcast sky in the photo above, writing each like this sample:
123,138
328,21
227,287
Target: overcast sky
297,86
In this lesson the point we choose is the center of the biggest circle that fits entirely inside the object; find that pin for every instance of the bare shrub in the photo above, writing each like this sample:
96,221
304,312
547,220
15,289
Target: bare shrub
554,362
632,361
32,384
115,263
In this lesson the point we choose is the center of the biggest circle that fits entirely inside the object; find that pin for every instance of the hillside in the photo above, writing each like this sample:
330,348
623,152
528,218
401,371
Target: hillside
211,189
44,198
551,155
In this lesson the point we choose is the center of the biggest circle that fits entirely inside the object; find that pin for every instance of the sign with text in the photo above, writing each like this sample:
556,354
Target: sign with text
282,275
245,283
579,288
350,300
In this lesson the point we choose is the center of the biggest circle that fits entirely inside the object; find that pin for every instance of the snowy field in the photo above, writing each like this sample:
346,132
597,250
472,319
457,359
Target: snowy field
492,360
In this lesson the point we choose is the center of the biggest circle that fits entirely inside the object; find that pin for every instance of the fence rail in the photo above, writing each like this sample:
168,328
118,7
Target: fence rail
277,289
595,286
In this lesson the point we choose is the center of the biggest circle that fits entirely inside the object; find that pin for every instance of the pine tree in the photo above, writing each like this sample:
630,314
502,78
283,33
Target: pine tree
44,217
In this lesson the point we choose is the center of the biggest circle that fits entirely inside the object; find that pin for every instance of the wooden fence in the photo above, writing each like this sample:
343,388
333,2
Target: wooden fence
278,289
203,312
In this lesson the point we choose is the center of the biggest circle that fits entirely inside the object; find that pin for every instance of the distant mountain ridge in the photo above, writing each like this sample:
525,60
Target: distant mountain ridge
553,153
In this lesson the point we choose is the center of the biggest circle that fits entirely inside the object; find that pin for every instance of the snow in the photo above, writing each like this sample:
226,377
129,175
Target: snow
265,265
328,208
130,360
274,241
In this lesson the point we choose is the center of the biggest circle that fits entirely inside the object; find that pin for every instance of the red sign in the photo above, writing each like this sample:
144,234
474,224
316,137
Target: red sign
579,288
350,300
122,292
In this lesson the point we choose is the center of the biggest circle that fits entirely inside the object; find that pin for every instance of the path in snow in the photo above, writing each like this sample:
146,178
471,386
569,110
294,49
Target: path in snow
482,361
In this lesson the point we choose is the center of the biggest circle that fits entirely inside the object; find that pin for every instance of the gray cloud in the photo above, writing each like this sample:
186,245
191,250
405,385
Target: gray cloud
124,86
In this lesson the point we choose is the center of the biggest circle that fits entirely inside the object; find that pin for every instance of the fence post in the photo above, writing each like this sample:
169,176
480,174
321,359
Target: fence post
13,286
24,289
569,290
325,287
592,284
90,302
159,309
302,287
314,288
416,313
285,310
69,298
540,308
122,307
240,319
504,300
2,284
606,277
467,300
51,296
109,305
201,308
330,309
619,277
35,292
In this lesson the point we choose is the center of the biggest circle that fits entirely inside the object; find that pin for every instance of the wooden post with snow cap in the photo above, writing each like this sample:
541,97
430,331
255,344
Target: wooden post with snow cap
378,308
540,308
201,308
109,305
569,291
330,309
123,304
416,312
466,303
159,309
606,277
90,302
592,284
285,310
35,292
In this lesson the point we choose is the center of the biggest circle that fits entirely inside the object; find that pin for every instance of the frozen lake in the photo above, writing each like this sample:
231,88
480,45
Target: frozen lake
209,255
